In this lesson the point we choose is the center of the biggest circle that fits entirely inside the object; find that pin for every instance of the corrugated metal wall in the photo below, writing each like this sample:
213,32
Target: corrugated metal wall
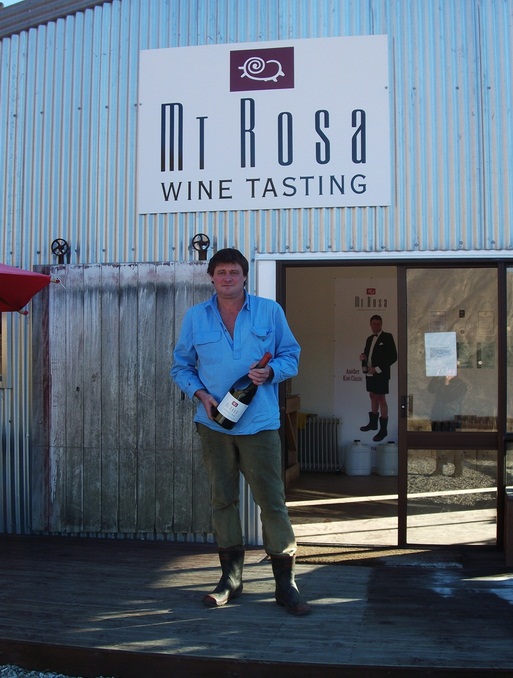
68,111
15,400
69,104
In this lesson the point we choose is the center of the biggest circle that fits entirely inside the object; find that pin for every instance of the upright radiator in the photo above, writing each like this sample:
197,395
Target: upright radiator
318,444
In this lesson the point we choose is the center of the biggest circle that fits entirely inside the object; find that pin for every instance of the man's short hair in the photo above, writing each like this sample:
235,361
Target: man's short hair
228,255
376,317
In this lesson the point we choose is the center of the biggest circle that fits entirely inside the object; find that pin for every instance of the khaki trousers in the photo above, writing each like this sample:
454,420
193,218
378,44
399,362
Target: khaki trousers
258,458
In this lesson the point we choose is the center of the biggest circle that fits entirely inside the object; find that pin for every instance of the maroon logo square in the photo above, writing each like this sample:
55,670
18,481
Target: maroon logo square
257,69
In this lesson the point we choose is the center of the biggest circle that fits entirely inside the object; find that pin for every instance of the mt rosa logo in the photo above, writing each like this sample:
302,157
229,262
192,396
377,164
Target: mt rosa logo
260,69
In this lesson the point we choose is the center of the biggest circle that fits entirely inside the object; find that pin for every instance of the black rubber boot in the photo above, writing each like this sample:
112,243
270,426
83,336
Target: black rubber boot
373,422
382,433
230,584
287,594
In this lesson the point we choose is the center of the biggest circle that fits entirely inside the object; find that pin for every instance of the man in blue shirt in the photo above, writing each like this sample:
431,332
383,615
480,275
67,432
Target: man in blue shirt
220,341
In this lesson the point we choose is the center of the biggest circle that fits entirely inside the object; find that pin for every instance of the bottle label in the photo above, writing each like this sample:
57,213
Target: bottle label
231,408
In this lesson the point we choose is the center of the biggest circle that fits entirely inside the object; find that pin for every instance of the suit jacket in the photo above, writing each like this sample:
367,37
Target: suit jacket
384,354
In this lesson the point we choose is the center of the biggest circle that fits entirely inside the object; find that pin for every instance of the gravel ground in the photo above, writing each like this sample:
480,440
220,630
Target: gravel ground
423,477
10,671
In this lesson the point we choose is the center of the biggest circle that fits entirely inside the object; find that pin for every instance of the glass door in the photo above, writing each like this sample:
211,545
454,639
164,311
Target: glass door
508,466
449,406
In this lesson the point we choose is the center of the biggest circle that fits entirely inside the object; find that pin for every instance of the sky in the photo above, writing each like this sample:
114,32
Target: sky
6,3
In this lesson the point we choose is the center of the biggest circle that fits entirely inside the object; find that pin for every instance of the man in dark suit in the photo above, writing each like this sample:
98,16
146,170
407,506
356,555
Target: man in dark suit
378,355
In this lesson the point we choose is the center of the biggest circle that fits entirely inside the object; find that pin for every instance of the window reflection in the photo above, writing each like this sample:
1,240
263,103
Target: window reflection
509,339
452,349
448,394
508,471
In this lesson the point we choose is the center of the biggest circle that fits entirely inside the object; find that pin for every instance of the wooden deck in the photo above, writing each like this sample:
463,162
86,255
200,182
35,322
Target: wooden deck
123,608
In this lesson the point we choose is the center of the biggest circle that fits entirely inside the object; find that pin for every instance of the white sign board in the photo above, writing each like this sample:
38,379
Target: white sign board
286,124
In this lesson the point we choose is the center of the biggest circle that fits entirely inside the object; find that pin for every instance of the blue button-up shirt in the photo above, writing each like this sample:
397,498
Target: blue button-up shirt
207,357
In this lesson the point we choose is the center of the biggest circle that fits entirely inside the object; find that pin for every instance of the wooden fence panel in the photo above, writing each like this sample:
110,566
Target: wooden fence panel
40,418
182,413
56,367
164,333
146,400
128,386
73,419
93,412
106,405
117,451
201,486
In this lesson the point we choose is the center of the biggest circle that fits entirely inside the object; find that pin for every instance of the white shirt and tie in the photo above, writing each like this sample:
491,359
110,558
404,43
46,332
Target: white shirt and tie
369,359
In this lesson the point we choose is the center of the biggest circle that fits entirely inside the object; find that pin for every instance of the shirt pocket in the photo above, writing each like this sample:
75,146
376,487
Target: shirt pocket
208,347
264,338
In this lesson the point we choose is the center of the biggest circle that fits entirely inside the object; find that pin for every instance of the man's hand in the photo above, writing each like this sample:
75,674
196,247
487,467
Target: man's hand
261,375
208,401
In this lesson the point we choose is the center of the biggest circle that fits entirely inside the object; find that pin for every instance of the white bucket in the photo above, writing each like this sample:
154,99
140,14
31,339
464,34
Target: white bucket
374,458
388,459
358,460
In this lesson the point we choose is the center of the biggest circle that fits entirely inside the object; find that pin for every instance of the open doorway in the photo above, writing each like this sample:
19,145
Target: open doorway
346,492
435,478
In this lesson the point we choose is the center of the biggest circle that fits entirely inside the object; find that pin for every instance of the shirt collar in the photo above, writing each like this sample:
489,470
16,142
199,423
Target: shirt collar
247,297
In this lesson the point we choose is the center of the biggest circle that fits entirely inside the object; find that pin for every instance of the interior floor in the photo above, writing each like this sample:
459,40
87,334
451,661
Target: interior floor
334,508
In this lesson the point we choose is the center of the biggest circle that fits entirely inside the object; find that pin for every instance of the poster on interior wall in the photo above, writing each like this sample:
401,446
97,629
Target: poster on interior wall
295,123
356,301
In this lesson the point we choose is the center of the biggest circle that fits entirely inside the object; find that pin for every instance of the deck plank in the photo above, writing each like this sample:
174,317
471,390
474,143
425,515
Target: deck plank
146,597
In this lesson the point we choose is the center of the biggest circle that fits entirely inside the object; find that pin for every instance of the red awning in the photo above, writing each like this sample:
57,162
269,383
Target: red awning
17,287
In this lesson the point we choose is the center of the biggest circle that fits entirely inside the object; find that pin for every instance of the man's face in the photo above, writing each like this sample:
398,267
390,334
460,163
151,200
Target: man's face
376,326
229,281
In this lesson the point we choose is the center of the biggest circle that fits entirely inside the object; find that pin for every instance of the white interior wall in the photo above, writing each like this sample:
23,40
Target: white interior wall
311,306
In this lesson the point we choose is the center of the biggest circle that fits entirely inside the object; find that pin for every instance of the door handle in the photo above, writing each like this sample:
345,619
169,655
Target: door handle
406,405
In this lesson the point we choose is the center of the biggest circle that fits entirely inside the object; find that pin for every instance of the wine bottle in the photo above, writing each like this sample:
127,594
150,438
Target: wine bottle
365,367
236,401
